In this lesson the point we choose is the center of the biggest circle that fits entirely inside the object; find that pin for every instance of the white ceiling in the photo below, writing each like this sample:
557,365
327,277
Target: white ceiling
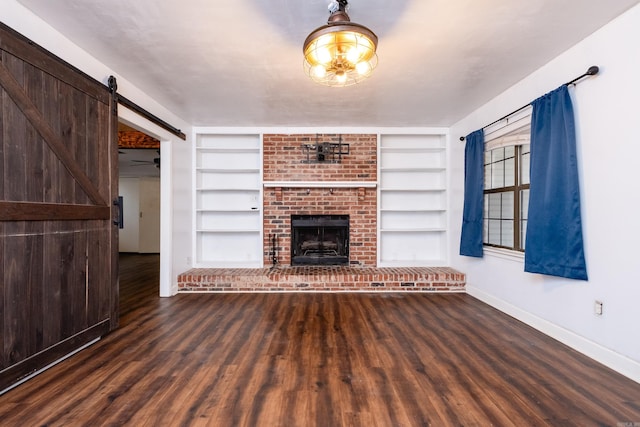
239,62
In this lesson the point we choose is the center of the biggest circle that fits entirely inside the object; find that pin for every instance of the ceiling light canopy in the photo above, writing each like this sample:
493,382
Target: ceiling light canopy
342,52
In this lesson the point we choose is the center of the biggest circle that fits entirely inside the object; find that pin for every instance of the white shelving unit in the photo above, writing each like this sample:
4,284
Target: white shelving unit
412,218
228,214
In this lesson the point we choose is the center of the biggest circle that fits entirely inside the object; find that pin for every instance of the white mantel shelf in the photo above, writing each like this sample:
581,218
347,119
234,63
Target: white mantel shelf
320,184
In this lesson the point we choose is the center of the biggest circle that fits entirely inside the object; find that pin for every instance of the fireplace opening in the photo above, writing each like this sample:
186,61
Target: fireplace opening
319,239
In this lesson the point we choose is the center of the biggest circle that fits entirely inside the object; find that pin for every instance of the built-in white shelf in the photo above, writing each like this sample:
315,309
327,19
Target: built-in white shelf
228,214
412,222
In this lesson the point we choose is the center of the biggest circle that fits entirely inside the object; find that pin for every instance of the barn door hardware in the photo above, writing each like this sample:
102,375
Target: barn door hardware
113,86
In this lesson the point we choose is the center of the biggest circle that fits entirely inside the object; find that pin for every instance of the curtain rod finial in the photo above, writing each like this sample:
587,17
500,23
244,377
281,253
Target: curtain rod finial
593,70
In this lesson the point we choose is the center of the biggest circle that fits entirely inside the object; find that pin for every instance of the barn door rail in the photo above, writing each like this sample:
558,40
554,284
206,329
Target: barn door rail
113,87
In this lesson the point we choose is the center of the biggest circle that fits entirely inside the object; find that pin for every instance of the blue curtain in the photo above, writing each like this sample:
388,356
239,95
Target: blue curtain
554,243
471,238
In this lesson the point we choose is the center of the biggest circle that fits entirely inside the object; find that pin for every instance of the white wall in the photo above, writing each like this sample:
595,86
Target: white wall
176,184
607,115
129,189
149,238
141,201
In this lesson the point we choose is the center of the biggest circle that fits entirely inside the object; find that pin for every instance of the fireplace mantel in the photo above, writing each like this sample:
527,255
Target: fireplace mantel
320,184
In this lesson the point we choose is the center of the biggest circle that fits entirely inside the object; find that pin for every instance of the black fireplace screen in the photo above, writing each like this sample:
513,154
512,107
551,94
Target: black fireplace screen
319,239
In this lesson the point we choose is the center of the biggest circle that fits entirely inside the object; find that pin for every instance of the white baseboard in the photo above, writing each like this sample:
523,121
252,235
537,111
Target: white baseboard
619,363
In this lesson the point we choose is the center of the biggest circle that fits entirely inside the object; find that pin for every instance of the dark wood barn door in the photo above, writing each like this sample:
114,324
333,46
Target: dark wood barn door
58,243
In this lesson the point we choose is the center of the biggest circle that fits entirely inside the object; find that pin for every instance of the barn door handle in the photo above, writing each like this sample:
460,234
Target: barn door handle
119,204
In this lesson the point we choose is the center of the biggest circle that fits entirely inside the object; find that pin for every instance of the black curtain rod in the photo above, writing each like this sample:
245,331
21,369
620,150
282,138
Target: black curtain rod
113,86
592,71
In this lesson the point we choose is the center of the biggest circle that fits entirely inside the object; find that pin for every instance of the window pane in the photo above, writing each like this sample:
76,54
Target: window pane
485,231
524,204
509,151
497,175
497,155
494,231
510,172
524,164
507,233
507,205
524,215
495,206
487,177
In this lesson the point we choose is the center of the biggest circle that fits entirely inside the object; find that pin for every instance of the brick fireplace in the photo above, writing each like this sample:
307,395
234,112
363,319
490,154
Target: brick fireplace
294,186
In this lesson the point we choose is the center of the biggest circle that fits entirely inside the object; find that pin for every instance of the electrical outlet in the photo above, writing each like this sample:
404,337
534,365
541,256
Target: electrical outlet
597,308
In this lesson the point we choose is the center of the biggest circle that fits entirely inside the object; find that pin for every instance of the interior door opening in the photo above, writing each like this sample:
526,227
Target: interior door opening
139,182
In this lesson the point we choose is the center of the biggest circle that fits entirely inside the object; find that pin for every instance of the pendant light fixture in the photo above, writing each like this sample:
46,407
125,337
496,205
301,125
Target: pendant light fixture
342,52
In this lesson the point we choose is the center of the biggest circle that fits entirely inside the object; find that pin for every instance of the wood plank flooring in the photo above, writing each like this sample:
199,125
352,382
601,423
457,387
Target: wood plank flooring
301,359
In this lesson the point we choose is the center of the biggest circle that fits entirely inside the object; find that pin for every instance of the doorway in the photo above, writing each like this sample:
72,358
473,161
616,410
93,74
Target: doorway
139,182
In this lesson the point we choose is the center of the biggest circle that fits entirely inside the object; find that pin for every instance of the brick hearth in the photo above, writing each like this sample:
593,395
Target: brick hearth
322,279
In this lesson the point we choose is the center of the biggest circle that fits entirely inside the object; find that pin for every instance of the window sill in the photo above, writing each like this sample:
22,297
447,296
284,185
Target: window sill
507,254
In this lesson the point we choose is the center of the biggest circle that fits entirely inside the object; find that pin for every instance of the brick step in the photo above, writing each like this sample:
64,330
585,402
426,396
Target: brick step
323,279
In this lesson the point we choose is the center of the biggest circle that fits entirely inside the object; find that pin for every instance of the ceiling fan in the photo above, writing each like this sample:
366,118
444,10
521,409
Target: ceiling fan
155,162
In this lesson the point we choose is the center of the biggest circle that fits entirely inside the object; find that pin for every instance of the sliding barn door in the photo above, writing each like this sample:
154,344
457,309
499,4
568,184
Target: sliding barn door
58,247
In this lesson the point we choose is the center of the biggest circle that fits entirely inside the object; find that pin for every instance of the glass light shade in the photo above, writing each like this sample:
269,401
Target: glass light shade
344,50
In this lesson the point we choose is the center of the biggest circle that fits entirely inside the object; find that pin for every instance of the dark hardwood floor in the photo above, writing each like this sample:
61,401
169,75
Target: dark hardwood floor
318,360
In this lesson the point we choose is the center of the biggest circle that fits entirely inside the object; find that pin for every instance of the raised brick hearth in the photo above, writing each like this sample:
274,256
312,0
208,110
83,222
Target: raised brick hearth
322,279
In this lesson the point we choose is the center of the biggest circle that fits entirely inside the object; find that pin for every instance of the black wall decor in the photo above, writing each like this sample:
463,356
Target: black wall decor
325,152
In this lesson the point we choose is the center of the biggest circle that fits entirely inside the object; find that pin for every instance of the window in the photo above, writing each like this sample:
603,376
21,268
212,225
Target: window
506,190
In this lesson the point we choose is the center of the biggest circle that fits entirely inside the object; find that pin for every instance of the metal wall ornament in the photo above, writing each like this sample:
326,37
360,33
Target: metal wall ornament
325,152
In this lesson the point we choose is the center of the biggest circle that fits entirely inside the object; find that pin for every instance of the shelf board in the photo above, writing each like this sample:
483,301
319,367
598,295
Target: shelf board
228,150
218,170
412,263
406,210
412,170
412,230
216,263
227,231
250,210
228,189
413,190
412,149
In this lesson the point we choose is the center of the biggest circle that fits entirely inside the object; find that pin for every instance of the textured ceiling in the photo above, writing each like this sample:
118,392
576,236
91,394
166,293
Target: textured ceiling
239,63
